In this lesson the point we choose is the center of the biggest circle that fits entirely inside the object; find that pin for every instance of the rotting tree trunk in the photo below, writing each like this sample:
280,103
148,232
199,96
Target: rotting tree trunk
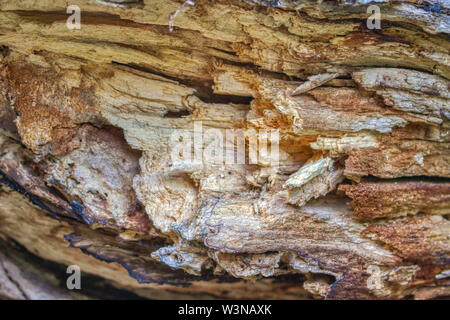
356,208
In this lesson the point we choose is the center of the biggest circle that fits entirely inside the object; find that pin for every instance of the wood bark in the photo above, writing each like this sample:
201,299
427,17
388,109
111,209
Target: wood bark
354,206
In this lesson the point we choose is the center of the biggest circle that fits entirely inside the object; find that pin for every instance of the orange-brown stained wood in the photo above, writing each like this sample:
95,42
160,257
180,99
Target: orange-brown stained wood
421,239
392,199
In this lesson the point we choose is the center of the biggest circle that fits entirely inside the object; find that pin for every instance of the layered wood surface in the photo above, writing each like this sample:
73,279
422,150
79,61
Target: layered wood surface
356,207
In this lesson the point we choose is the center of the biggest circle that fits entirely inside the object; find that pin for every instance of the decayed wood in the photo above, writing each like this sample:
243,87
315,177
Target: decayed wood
355,208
